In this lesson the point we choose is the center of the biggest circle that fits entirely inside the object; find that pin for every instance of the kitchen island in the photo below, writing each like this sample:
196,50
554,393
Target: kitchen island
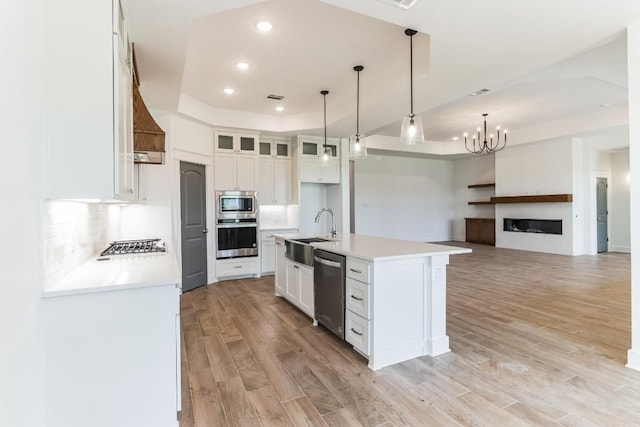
395,297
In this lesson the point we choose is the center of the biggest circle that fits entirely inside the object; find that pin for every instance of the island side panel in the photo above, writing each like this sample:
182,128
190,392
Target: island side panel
435,321
398,293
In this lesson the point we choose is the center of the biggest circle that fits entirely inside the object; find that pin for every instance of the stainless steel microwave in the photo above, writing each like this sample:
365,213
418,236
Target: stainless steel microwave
236,204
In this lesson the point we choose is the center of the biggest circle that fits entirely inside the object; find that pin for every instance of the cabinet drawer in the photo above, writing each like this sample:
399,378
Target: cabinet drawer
357,332
357,298
236,267
359,270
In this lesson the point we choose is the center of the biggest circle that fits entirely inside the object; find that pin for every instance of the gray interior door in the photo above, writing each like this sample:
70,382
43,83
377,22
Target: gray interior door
193,209
602,214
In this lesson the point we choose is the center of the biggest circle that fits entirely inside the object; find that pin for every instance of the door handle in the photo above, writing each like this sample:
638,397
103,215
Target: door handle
205,231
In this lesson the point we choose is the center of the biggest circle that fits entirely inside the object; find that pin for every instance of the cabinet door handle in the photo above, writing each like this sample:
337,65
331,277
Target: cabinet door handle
356,298
296,267
356,332
356,271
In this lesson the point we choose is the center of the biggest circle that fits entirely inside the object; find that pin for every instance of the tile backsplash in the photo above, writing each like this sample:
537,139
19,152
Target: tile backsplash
75,232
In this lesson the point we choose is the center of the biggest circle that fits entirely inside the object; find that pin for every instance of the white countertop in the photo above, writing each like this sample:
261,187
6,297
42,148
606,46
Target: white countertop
373,248
119,272
277,228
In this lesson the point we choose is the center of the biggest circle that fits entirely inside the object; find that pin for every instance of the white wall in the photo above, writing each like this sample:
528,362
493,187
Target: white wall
469,171
619,215
404,198
531,169
21,357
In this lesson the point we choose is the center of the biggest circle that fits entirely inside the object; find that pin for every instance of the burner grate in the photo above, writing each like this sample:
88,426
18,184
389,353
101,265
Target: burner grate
125,247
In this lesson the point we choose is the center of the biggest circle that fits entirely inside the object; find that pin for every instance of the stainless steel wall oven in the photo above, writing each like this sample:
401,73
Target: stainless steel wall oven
236,224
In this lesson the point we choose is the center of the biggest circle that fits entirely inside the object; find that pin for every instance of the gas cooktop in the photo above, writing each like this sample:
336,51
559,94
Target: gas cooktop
127,247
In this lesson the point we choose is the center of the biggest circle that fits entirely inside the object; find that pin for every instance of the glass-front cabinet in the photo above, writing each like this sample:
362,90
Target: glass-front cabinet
236,143
275,148
311,166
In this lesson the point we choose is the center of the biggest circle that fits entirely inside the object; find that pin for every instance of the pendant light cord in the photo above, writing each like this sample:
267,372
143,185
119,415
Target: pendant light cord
411,68
324,96
358,105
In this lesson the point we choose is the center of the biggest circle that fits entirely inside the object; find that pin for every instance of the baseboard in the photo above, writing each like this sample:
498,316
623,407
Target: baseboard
624,249
633,359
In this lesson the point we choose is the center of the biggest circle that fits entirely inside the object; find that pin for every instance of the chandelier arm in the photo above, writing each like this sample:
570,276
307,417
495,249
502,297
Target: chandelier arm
474,147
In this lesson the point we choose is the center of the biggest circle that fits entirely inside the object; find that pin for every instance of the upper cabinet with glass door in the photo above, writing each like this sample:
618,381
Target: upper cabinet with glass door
311,167
275,148
236,143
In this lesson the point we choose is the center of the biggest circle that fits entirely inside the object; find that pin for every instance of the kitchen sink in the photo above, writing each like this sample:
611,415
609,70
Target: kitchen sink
312,240
299,250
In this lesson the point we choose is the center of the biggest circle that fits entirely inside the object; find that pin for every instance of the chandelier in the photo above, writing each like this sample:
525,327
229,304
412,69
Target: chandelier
485,146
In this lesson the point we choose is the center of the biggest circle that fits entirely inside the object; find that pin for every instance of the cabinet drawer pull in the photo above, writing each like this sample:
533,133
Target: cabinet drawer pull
356,271
356,298
356,332
237,266
295,266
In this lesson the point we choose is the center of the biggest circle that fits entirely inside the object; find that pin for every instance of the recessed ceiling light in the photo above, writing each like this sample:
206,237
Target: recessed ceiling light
279,108
455,138
228,90
264,26
242,66
605,105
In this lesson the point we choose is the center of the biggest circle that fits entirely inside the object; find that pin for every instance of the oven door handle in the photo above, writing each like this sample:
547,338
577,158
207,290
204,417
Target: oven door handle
237,225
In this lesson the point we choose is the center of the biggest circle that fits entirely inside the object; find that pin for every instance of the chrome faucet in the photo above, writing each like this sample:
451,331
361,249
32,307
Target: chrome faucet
333,220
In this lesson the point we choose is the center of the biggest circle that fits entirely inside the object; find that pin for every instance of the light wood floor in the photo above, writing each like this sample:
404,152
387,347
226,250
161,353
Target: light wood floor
536,339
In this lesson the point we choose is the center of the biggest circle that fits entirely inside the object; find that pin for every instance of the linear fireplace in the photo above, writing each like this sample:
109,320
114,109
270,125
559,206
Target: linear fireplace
543,226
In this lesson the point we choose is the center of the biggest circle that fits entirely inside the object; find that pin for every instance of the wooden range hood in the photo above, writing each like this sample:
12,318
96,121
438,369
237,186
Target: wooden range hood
148,137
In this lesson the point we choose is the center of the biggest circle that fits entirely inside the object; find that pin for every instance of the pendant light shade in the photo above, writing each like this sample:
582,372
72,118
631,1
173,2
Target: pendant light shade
412,132
326,151
357,144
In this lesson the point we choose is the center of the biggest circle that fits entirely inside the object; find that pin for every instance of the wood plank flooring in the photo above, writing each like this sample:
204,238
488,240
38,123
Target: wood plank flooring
536,340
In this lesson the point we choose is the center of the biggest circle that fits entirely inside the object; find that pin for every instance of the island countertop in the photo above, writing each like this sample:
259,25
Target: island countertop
372,248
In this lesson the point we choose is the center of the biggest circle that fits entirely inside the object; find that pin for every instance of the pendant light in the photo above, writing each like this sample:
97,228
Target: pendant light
357,146
326,151
411,133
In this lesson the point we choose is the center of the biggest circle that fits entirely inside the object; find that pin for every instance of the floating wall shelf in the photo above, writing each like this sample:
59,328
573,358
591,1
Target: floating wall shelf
490,184
484,202
539,198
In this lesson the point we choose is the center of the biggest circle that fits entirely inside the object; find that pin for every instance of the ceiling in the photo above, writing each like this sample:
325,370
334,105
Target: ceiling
542,61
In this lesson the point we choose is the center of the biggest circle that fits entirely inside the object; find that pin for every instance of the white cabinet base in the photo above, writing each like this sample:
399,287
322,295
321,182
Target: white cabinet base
112,358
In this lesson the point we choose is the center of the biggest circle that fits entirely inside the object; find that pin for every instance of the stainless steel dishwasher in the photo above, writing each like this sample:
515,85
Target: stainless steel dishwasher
328,290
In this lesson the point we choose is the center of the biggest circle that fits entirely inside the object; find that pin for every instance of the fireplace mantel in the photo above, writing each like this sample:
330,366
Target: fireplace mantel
538,198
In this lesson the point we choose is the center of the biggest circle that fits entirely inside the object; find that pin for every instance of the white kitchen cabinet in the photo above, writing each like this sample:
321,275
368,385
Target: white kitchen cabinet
292,284
299,286
247,266
357,304
311,166
275,184
267,252
113,357
227,142
88,112
235,171
275,148
305,301
275,181
281,274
